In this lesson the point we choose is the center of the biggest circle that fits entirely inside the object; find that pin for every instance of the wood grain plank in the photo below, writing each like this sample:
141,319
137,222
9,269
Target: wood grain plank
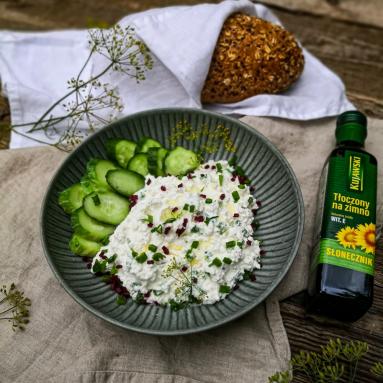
368,12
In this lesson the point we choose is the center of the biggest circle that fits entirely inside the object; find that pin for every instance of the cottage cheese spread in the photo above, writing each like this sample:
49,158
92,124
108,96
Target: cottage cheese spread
186,239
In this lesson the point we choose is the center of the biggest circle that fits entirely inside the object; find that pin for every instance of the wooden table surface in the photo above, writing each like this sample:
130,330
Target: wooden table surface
347,35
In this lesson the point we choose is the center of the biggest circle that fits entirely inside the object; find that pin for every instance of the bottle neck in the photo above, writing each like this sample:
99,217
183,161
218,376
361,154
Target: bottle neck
352,144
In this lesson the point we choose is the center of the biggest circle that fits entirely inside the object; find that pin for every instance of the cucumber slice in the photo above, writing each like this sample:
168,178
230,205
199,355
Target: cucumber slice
89,228
121,150
125,181
71,199
139,164
81,246
156,161
96,170
181,161
145,143
107,207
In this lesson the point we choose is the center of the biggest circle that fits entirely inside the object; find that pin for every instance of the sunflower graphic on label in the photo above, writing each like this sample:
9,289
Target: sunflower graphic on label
347,237
362,236
365,237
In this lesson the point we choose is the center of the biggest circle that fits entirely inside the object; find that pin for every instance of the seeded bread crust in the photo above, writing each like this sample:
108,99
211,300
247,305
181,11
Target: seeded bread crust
252,56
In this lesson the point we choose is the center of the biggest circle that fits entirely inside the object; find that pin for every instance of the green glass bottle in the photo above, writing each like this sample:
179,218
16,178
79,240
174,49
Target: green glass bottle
342,271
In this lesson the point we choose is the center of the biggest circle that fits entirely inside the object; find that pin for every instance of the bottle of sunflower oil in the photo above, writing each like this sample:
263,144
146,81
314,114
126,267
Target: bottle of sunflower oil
342,273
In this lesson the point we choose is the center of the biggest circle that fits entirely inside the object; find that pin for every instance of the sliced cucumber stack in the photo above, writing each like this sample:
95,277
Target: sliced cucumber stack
121,150
94,178
125,181
181,161
146,143
107,207
71,199
84,247
139,164
89,228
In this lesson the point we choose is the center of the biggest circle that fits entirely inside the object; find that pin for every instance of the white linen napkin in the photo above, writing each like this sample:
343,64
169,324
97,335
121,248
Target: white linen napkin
35,68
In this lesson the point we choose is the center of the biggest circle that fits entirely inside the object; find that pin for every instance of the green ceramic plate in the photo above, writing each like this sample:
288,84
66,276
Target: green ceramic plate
280,218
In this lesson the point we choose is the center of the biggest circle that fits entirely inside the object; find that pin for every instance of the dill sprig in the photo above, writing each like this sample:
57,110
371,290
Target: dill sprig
14,307
335,361
91,103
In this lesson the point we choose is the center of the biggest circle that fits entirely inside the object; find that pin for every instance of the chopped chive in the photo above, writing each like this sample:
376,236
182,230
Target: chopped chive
186,206
96,200
227,260
158,256
240,244
208,200
195,244
188,255
152,248
224,289
230,244
192,208
113,270
207,220
241,186
216,262
235,195
239,170
233,160
170,220
148,219
220,179
134,253
121,300
250,200
157,229
195,229
219,167
112,258
141,258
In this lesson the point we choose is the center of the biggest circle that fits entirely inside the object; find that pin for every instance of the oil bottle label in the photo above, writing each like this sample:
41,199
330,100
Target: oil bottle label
347,236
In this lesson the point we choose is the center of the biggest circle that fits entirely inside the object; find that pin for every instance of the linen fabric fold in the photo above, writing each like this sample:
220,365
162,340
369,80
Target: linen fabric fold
35,68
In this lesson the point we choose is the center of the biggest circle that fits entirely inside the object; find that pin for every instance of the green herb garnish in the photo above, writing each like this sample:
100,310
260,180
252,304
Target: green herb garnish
227,260
235,195
141,258
99,267
220,177
192,208
224,289
219,167
241,186
134,254
157,229
207,220
112,258
148,219
152,248
158,257
14,306
186,206
120,300
250,200
170,220
195,229
233,160
230,244
208,200
216,262
195,244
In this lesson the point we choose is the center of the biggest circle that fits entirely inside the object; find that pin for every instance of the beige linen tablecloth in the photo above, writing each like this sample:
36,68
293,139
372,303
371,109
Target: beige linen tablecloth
65,343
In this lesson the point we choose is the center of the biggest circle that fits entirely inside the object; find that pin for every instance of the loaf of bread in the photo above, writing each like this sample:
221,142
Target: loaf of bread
252,56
